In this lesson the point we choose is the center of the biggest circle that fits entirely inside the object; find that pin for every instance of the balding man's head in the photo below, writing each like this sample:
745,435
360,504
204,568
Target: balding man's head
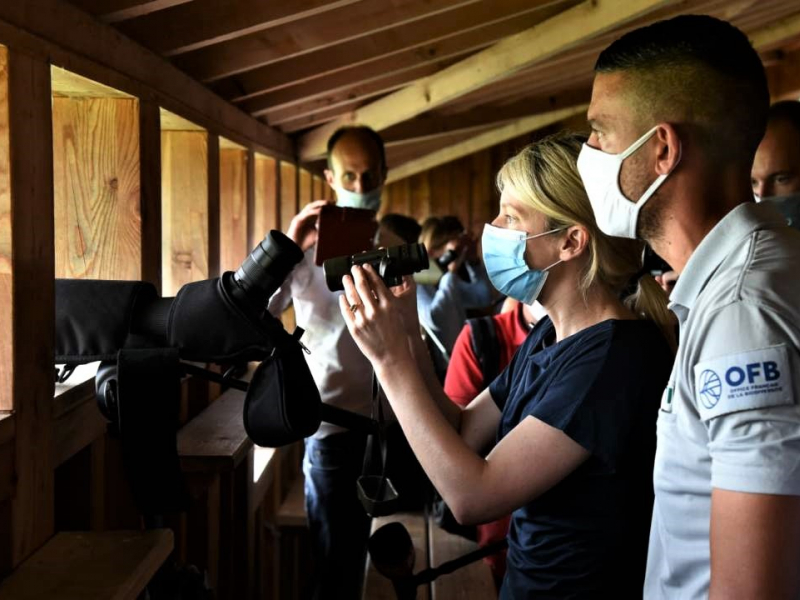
356,160
776,168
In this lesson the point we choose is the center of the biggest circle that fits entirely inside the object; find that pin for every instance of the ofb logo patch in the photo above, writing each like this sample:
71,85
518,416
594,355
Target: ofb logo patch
710,388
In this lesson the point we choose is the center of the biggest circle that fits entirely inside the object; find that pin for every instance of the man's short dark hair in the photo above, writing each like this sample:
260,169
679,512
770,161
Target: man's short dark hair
700,71
402,226
787,111
361,130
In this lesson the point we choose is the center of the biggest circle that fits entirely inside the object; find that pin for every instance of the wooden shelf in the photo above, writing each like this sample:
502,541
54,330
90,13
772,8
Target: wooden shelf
113,565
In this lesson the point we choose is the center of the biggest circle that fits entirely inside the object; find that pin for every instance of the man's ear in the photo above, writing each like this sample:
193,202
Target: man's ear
668,148
574,243
329,177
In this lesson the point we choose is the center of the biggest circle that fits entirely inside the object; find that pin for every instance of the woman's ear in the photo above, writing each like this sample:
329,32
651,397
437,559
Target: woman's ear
574,243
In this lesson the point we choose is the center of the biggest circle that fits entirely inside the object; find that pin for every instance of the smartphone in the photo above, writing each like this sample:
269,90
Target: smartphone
343,231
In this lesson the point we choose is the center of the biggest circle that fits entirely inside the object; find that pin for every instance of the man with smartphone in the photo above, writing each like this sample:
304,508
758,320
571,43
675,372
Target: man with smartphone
333,456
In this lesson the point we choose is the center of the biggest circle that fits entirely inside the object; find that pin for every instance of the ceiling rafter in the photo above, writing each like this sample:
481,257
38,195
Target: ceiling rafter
488,139
381,85
420,39
561,32
314,33
113,11
203,23
432,124
776,33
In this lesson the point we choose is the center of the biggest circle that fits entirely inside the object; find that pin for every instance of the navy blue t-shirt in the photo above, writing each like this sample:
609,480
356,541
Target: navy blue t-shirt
587,536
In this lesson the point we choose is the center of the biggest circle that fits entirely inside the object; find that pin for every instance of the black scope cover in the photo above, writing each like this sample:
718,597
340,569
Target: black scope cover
267,266
390,263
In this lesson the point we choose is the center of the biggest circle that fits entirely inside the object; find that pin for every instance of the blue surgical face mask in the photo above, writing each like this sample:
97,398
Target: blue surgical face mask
370,200
504,257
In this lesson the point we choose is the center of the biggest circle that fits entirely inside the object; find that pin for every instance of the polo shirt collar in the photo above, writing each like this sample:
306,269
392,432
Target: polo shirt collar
721,241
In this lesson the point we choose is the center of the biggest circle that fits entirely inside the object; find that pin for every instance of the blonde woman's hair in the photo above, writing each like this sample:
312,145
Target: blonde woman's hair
545,176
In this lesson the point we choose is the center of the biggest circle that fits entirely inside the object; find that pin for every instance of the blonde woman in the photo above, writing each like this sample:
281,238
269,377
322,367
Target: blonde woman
565,436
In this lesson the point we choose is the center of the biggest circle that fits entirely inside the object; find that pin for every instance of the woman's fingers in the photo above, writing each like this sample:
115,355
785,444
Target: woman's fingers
350,292
377,285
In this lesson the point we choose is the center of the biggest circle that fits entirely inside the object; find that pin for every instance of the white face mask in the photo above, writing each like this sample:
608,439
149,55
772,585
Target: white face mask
370,200
615,214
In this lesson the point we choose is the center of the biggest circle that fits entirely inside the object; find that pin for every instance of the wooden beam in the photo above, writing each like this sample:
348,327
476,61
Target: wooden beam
111,11
202,23
562,32
102,54
776,33
32,300
421,39
485,140
314,33
344,84
381,85
433,125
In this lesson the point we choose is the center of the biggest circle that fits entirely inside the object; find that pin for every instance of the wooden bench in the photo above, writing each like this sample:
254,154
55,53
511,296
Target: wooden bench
293,551
218,459
110,565
433,546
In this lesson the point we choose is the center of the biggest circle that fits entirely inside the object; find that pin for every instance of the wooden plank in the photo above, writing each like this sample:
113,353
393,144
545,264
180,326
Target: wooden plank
203,23
6,297
486,140
184,184
559,33
77,566
111,11
378,587
471,581
69,84
453,32
233,240
436,124
98,52
289,194
379,85
306,188
266,215
307,97
172,122
318,186
97,178
776,33
314,33
150,191
32,300
215,440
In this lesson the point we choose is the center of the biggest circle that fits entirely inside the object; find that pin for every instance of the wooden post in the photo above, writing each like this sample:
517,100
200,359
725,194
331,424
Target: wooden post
32,299
150,190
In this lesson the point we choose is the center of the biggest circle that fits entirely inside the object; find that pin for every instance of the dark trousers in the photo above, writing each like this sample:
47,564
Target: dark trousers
337,521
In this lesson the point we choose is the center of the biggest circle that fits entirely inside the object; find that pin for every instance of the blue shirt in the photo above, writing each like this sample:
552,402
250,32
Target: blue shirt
586,537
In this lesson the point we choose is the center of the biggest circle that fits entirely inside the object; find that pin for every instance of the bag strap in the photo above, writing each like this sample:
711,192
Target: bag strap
485,346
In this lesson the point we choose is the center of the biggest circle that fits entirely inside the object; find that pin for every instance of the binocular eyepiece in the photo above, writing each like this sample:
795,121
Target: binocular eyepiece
390,263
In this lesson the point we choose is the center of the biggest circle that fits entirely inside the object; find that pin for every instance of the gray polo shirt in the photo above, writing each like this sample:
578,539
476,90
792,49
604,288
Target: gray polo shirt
729,417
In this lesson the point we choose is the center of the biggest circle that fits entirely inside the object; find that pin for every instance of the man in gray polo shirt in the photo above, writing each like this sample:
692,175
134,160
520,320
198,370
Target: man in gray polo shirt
678,109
